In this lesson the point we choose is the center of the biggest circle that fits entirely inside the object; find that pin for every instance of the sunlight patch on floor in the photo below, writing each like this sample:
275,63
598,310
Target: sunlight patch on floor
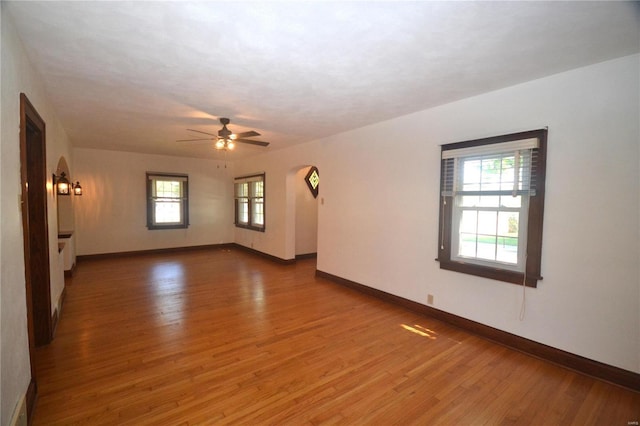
421,331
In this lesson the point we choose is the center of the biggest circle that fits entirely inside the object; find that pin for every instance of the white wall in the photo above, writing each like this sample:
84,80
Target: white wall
379,222
18,76
306,216
111,214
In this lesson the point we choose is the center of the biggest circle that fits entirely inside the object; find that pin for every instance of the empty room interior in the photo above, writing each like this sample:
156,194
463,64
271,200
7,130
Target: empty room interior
320,213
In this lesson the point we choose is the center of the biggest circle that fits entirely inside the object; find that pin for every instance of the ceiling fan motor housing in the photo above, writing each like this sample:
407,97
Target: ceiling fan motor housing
224,133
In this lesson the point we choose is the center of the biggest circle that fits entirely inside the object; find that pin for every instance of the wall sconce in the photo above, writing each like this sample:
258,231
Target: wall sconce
64,187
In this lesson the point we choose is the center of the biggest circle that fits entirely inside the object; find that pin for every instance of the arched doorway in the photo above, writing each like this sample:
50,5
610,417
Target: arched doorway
306,217
66,221
64,203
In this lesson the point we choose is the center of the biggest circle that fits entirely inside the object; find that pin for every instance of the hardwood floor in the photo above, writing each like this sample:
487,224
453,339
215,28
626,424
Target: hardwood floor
225,337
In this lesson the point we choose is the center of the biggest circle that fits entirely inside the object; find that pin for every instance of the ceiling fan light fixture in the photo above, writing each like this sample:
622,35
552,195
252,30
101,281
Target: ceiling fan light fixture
225,139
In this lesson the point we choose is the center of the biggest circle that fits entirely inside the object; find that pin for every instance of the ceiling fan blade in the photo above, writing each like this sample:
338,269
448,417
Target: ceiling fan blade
191,140
249,141
247,134
200,131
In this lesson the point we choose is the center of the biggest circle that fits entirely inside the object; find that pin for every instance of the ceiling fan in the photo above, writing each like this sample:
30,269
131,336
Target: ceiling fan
225,139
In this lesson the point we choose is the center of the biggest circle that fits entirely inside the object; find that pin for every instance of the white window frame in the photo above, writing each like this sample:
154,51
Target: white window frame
458,209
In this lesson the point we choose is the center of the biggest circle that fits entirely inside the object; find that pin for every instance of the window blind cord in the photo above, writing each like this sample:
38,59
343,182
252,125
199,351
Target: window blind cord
444,201
523,307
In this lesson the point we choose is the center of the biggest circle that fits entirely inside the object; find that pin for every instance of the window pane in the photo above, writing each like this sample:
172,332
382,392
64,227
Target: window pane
507,250
471,187
488,235
470,201
168,189
508,223
467,245
489,201
487,223
490,174
167,212
258,189
159,188
243,210
469,222
486,247
258,212
510,201
242,189
471,172
506,174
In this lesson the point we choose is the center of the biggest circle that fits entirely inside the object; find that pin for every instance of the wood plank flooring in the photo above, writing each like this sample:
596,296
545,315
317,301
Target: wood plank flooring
226,337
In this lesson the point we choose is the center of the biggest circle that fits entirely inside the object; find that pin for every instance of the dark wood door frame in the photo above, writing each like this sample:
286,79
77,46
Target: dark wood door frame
33,176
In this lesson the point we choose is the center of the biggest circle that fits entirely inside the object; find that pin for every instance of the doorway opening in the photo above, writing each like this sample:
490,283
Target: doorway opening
306,215
66,220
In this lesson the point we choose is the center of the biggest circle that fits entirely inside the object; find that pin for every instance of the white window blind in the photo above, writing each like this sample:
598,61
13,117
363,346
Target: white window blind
516,157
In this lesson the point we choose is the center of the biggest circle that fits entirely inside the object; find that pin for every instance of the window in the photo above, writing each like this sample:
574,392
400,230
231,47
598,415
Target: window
249,197
491,208
167,201
313,181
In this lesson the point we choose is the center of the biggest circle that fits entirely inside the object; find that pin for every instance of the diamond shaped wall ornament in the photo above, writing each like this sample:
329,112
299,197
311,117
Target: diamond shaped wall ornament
313,180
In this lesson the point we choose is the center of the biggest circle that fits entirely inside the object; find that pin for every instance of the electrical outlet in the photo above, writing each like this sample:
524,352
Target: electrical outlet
430,299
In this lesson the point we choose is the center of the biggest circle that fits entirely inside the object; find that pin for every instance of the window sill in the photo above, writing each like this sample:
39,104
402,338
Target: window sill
156,227
491,273
249,227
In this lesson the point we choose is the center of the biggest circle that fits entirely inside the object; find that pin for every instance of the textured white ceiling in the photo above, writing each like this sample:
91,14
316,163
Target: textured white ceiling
134,75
